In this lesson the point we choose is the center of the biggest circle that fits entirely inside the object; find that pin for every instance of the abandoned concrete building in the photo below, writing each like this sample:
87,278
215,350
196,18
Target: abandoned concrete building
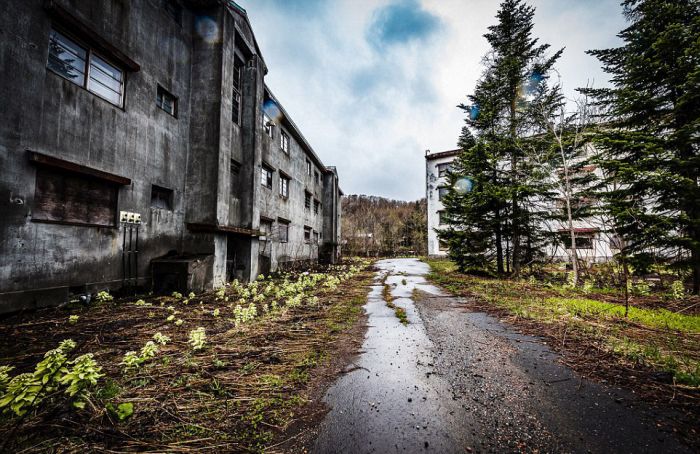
593,243
140,146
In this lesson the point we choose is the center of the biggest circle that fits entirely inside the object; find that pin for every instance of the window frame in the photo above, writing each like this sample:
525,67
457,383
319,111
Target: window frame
307,200
308,168
268,126
90,54
160,90
237,96
441,217
284,188
284,141
307,234
443,168
317,206
268,172
283,225
169,200
442,192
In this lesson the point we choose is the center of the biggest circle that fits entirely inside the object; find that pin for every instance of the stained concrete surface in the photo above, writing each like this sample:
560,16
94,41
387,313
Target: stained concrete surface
458,381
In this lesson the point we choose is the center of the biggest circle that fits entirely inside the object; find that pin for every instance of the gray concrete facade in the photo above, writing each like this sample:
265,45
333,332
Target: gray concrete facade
72,160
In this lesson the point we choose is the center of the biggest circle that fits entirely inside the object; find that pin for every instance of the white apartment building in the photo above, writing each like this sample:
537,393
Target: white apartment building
436,166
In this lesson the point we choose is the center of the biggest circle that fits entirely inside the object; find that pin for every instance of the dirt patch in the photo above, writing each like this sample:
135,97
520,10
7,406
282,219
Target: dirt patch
255,386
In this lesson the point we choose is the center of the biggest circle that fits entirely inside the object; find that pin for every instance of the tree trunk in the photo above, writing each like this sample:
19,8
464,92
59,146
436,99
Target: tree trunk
499,244
626,272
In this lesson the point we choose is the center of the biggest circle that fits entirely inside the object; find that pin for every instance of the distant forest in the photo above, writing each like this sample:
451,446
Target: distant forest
374,226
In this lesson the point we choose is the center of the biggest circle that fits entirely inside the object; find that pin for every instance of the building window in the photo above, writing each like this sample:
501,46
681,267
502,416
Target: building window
307,234
317,206
308,167
284,186
443,218
174,10
161,198
166,101
316,237
443,245
235,171
68,59
267,177
268,126
307,200
74,199
283,230
265,229
237,90
317,177
442,192
284,141
444,168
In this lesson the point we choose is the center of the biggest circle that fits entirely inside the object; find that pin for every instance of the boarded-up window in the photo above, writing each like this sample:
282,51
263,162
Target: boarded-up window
72,198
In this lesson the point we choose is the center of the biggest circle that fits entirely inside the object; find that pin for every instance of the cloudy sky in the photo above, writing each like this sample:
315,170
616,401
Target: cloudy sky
372,84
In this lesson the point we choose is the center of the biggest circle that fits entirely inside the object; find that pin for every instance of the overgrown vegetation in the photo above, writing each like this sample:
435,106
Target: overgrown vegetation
230,377
649,339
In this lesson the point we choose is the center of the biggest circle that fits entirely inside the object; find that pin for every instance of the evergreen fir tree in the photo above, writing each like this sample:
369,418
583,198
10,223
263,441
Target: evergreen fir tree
649,144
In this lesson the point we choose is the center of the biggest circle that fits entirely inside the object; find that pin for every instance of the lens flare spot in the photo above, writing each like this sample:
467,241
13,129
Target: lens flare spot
463,185
207,29
272,110
474,112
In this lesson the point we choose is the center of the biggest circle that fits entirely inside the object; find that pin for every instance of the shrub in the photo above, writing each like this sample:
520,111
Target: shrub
197,338
103,297
678,289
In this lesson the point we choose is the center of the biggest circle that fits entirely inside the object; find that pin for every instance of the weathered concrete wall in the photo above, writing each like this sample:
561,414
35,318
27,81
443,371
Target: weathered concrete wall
44,112
190,153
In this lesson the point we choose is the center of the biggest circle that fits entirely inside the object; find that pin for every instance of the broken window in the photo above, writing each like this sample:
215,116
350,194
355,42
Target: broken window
161,197
283,230
68,59
317,206
266,179
284,141
265,229
307,234
307,200
316,237
444,168
268,125
237,90
166,101
70,198
284,186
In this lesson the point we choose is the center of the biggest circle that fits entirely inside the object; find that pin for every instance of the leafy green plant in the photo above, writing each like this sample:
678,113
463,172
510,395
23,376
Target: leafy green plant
150,350
179,322
641,288
131,360
73,319
161,338
103,297
588,286
5,377
677,289
197,338
84,374
121,412
177,295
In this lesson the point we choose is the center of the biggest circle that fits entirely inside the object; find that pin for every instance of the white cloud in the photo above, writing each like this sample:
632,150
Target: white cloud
373,114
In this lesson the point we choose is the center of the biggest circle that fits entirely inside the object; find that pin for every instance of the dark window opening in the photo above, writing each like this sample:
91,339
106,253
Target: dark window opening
283,230
64,197
307,200
268,126
317,206
317,177
166,101
316,237
444,168
307,234
442,192
266,229
308,167
161,198
582,241
443,218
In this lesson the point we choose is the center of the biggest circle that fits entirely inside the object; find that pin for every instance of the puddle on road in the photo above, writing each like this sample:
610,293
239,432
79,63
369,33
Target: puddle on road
393,402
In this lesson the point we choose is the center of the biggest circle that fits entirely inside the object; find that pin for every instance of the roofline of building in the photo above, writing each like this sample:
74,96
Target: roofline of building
232,7
442,154
294,129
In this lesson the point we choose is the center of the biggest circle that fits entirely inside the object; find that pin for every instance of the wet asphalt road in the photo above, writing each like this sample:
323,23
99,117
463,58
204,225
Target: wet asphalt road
455,381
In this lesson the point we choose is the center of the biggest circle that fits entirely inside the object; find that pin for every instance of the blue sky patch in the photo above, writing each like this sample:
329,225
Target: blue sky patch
400,23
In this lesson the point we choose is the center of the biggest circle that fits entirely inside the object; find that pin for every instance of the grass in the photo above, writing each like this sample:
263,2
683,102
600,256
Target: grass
657,338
